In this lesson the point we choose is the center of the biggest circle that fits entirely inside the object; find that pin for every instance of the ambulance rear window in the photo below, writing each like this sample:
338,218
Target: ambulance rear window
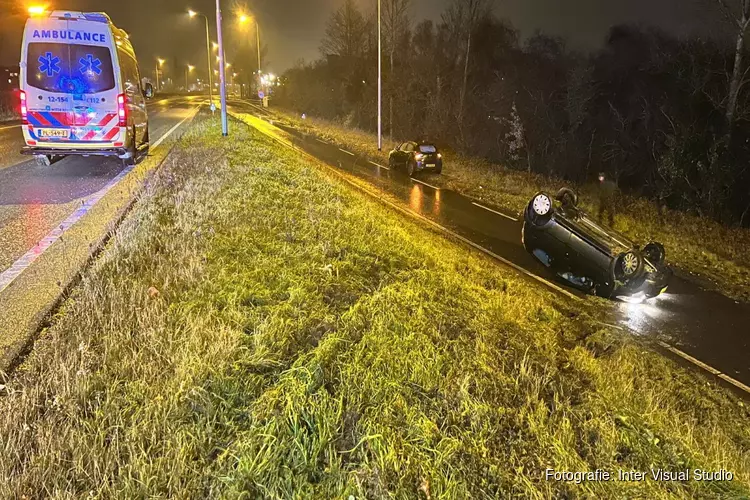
69,68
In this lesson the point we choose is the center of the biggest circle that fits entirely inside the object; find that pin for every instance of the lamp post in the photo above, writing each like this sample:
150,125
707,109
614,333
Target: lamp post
187,76
222,72
243,20
380,82
192,14
159,63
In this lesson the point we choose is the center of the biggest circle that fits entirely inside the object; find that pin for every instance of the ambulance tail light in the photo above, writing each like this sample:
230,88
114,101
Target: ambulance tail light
122,110
24,109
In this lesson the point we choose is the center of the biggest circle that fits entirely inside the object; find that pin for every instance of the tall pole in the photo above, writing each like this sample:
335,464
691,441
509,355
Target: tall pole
210,69
257,42
380,83
157,75
222,73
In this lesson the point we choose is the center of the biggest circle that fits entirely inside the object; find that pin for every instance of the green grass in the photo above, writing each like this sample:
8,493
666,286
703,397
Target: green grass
710,251
258,329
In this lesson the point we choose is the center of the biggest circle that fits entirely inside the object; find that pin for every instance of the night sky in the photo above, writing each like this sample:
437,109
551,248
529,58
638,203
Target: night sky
292,29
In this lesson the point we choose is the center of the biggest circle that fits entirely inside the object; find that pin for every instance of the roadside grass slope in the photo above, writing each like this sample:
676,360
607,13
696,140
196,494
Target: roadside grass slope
696,245
256,329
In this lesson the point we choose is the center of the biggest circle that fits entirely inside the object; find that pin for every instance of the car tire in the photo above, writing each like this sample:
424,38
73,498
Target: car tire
540,209
43,160
133,152
629,266
439,168
655,253
146,145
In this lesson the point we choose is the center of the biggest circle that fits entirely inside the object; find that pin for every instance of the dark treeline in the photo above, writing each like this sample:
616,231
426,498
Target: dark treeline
667,118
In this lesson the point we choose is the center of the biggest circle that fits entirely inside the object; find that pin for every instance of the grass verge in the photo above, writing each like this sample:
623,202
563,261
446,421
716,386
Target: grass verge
711,252
258,329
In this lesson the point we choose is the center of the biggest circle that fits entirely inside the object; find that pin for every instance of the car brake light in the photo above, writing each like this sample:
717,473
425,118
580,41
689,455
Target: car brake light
122,110
24,109
419,156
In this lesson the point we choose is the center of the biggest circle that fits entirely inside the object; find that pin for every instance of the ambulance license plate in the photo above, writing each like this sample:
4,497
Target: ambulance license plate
57,133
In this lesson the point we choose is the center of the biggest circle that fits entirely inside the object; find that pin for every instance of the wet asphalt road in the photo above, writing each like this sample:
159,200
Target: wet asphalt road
35,199
702,323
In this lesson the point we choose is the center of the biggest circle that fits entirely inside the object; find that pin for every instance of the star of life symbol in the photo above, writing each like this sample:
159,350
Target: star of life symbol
49,64
89,64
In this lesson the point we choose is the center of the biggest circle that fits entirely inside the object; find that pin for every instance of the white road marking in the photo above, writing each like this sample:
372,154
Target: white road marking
8,127
345,151
321,141
14,271
704,366
495,212
379,165
428,185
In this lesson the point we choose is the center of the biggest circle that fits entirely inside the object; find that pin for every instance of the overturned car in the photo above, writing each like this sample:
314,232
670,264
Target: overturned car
591,257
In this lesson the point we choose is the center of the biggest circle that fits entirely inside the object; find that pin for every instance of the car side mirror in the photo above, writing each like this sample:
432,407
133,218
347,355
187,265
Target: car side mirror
148,92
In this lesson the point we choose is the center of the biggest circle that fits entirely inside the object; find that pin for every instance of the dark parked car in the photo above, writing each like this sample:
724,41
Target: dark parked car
588,255
415,157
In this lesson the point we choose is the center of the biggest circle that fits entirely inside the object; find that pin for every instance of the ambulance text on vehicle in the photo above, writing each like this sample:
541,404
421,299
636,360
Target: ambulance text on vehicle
81,90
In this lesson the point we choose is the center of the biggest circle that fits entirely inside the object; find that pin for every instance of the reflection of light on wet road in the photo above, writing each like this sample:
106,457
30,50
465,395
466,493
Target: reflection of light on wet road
436,207
415,199
640,316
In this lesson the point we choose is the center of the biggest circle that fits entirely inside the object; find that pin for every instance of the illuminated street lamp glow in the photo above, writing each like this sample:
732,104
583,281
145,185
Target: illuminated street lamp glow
192,14
244,19
160,62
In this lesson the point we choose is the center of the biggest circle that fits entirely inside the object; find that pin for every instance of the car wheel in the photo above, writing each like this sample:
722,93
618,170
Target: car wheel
132,152
540,210
541,205
146,146
43,160
629,266
655,253
439,168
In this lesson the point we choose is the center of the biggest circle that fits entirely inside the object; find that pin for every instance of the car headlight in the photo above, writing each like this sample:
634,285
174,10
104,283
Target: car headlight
419,157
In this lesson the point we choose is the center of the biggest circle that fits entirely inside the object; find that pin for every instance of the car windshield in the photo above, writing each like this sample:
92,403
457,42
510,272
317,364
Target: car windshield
69,68
427,148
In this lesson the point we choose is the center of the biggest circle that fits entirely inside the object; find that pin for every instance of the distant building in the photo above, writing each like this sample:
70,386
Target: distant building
8,77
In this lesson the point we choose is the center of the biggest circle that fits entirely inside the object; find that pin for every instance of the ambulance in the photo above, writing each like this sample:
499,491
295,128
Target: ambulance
81,89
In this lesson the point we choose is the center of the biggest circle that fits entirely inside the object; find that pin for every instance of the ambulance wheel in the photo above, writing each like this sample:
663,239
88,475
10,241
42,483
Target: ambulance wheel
146,146
132,157
43,160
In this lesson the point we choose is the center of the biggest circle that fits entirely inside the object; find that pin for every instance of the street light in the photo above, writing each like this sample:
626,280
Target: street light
243,20
187,73
159,63
223,74
192,14
380,81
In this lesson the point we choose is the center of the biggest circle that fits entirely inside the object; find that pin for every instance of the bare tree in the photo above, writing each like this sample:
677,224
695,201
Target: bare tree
740,18
395,26
346,32
463,16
